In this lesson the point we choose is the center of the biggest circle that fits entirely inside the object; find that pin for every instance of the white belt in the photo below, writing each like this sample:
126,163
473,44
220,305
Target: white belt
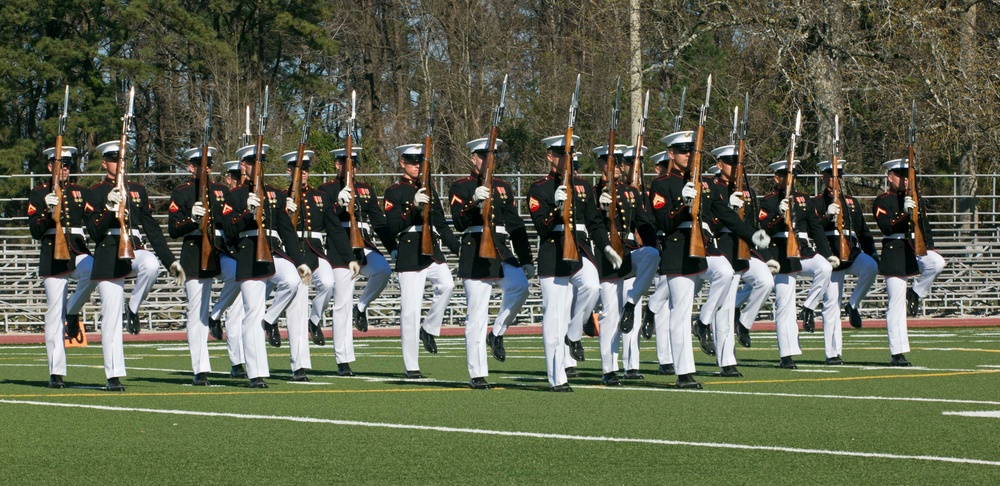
784,234
579,228
725,230
319,235
66,230
837,233
419,228
686,224
249,233
361,225
218,233
118,232
479,229
899,236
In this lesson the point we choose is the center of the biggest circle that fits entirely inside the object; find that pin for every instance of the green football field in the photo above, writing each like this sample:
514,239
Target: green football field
937,422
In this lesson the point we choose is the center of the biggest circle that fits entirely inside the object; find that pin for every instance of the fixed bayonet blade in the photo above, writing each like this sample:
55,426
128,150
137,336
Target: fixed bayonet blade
680,113
836,134
503,93
131,101
912,135
574,102
354,104
618,105
736,123
305,128
746,115
798,122
65,112
708,91
430,119
208,119
263,114
645,107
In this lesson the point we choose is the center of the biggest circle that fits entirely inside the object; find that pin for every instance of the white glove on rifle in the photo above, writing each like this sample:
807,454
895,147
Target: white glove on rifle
783,207
198,210
605,200
290,206
773,266
421,197
529,270
305,274
482,192
355,268
177,271
707,230
253,201
560,194
616,261
689,192
736,200
760,239
833,209
51,200
344,196
114,199
909,203
833,260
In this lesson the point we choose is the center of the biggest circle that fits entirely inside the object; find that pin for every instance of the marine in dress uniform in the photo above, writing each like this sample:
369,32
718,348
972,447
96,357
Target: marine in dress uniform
56,273
371,222
815,261
327,252
560,278
861,262
404,202
103,200
257,280
230,301
659,300
510,270
184,221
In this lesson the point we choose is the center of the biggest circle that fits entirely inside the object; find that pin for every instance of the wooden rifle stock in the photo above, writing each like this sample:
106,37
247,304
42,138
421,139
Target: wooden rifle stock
843,248
614,228
207,232
570,251
696,242
354,232
487,246
636,182
263,253
126,250
742,247
61,250
296,190
792,246
426,234
919,245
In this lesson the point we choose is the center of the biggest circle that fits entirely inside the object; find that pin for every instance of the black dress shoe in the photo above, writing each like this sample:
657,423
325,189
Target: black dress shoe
704,334
73,330
561,388
238,371
496,347
479,384
428,340
272,333
132,324
571,372
610,379
666,369
257,383
201,379
215,328
316,332
114,384
300,375
648,323
730,372
413,375
808,318
627,320
899,360
834,361
360,319
590,328
344,369
633,375
742,335
575,349
687,381
912,303
56,381
854,316
787,363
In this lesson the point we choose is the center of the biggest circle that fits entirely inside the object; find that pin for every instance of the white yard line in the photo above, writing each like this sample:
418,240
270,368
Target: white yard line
986,414
509,433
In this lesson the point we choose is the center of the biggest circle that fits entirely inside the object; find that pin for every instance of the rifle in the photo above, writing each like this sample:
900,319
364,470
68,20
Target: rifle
792,248
615,232
246,139
843,247
263,246
696,247
919,245
426,235
296,192
488,247
680,114
637,160
125,249
570,251
61,251
354,232
207,233
738,180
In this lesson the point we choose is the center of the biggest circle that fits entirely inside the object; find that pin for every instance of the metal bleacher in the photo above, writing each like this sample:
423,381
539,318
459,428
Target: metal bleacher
969,285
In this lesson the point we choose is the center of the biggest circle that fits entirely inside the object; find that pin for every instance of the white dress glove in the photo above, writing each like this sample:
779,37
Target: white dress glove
833,209
177,271
560,194
421,197
909,203
616,261
773,266
51,200
355,268
344,196
707,230
198,210
290,206
605,200
482,192
833,260
760,239
253,201
529,270
689,192
305,274
114,199
736,200
783,207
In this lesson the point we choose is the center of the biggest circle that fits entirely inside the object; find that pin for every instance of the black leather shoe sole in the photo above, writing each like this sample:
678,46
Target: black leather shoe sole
316,332
300,375
215,329
360,320
273,334
688,383
787,363
648,323
257,383
610,379
413,375
428,340
627,321
665,369
114,385
571,372
704,334
633,375
575,349
899,360
854,317
479,384
808,318
497,349
834,361
743,335
730,372
237,372
344,369
201,379
56,381
132,324
561,388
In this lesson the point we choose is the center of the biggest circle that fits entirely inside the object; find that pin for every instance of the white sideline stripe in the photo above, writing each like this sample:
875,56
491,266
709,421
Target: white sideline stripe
796,395
509,433
988,414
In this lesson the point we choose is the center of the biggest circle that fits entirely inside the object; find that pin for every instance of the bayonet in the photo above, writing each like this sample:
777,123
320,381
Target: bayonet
680,114
736,125
208,121
617,109
263,115
574,103
305,128
247,135
704,108
836,135
746,117
911,135
502,106
64,115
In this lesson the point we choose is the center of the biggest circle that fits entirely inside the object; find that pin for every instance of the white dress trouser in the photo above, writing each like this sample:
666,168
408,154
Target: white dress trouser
557,307
285,284
230,302
199,297
722,327
613,295
719,274
659,305
931,265
865,269
820,270
411,289
145,268
514,286
587,290
785,325
377,271
895,315
758,283
55,315
337,283
645,262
